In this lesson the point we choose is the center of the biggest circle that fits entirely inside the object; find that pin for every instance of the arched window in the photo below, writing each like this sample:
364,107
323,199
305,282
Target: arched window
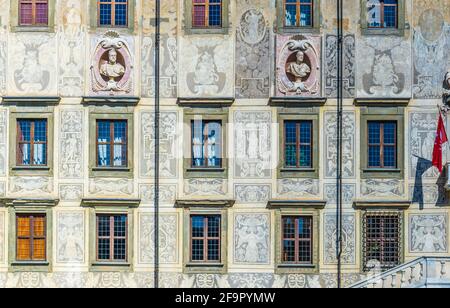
33,12
112,13
206,13
298,13
382,13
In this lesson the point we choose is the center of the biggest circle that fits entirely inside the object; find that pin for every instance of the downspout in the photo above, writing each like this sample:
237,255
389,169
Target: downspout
339,199
157,141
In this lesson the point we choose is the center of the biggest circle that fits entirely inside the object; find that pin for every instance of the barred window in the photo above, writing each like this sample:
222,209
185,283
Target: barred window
112,237
382,239
112,143
298,13
206,144
206,13
206,238
297,241
33,12
31,142
298,144
31,237
382,13
382,145
113,13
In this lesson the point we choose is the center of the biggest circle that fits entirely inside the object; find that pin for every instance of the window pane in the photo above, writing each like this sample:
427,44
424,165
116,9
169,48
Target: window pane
103,226
24,130
121,15
104,249
105,14
104,140
213,143
291,15
199,17
289,251
390,16
23,250
213,250
198,226
389,157
39,227
198,250
41,13
374,156
291,156
39,249
120,249
374,13
215,14
120,226
289,228
305,16
213,226
23,226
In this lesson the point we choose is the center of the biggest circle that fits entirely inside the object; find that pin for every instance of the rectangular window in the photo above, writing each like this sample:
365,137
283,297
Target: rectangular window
298,144
112,143
382,13
112,13
382,233
206,144
298,13
297,241
112,237
206,13
31,237
382,144
206,238
31,142
33,12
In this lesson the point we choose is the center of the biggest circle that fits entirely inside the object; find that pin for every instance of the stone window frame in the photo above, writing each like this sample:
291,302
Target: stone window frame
94,22
401,21
110,207
282,29
30,207
190,114
280,266
394,114
310,114
382,209
190,30
118,113
39,113
205,268
16,27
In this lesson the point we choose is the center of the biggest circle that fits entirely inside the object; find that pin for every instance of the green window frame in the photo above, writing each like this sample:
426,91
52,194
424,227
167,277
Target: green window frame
311,115
188,20
382,114
398,30
110,114
30,113
281,18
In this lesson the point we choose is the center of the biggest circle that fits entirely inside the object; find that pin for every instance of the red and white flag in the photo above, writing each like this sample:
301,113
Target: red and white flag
441,139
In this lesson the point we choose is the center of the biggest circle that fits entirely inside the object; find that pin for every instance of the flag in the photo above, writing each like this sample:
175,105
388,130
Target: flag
441,139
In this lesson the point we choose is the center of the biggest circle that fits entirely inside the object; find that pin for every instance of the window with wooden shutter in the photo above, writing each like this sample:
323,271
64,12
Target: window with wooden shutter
31,237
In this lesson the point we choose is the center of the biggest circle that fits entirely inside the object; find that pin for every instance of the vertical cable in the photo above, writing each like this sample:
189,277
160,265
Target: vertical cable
340,90
156,193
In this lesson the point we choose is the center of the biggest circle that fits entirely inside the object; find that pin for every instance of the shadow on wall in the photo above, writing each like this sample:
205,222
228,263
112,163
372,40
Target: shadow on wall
418,196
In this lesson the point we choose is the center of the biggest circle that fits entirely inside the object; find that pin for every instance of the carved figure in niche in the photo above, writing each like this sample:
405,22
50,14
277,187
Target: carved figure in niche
206,73
300,70
384,73
112,70
32,77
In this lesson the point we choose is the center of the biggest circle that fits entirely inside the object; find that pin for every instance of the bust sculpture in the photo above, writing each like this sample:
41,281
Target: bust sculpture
300,70
112,69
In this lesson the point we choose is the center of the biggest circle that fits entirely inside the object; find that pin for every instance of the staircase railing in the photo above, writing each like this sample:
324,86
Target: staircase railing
425,272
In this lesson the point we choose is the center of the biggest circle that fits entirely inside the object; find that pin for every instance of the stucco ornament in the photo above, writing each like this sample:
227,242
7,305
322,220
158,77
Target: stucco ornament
429,234
298,67
112,66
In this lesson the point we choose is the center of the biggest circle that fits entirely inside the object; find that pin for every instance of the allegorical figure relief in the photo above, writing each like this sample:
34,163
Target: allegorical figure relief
111,69
300,70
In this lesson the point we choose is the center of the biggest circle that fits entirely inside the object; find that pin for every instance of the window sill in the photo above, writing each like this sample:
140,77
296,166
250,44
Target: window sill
297,268
287,173
21,168
203,31
382,173
218,268
383,31
30,266
219,173
111,172
32,29
299,30
110,266
30,171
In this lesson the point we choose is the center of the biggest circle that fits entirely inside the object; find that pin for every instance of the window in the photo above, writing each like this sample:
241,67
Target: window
382,138
31,238
206,144
206,13
298,13
206,238
298,144
31,142
112,143
297,240
382,13
33,12
382,239
112,236
112,13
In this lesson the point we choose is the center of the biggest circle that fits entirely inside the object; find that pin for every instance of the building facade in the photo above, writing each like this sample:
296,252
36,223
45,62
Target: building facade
248,141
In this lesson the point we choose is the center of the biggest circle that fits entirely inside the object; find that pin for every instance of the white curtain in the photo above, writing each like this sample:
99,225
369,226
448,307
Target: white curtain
39,154
103,159
118,159
26,154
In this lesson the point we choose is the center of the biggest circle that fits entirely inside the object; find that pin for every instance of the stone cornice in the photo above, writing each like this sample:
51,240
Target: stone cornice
31,100
382,102
205,102
13,202
131,203
186,203
111,100
292,101
380,204
313,204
